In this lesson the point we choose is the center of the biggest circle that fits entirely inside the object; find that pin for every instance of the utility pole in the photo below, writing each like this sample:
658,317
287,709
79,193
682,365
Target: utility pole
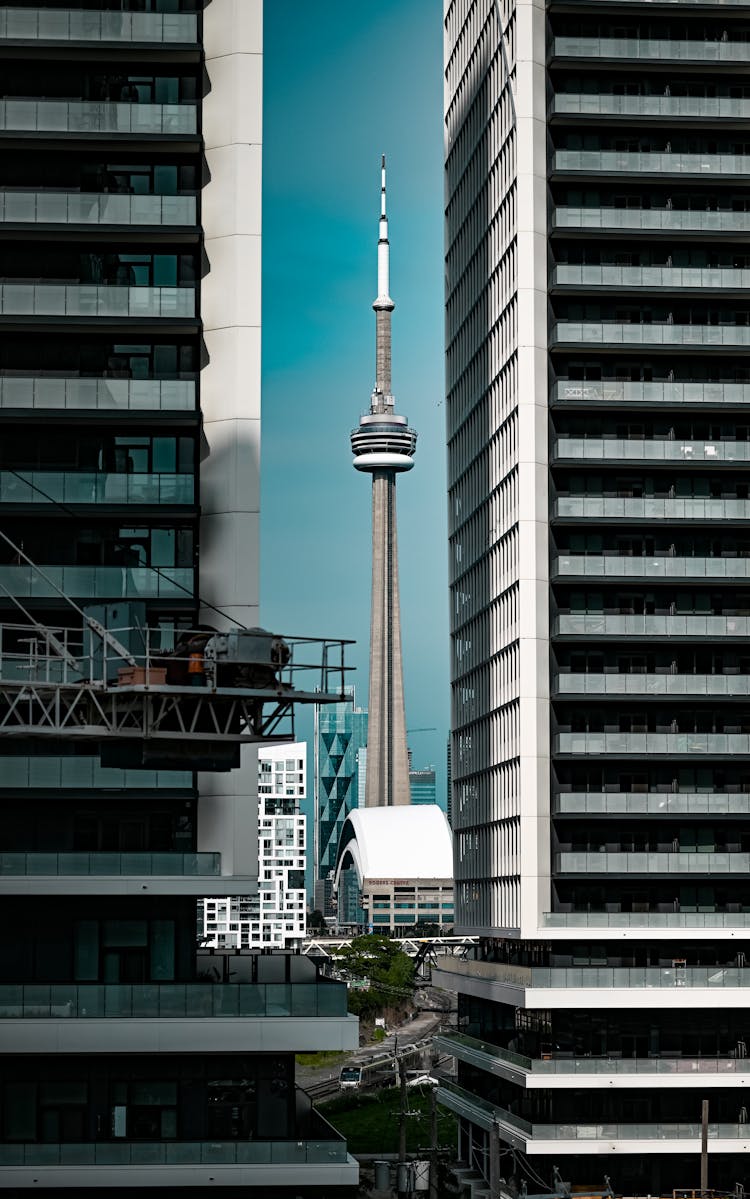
402,1120
704,1147
433,1145
494,1161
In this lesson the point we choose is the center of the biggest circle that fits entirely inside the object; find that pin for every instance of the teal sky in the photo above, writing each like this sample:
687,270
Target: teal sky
345,81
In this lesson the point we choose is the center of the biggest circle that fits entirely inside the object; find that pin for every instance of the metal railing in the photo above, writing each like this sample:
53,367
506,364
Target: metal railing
98,582
107,864
97,116
614,391
176,1153
658,566
647,920
94,208
142,395
85,25
95,299
93,1001
596,977
95,487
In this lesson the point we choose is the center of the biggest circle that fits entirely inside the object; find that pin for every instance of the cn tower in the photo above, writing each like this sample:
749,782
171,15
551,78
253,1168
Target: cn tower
383,446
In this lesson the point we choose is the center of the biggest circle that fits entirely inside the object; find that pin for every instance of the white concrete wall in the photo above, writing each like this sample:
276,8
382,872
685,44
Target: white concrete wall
230,380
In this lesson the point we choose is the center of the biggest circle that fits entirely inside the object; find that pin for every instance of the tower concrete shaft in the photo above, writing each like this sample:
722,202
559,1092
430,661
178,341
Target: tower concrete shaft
383,446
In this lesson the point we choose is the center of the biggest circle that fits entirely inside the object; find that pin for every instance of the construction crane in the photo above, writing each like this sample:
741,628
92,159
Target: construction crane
158,698
421,731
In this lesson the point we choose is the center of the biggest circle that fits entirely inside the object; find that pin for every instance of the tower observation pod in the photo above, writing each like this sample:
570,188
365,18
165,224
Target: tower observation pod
383,446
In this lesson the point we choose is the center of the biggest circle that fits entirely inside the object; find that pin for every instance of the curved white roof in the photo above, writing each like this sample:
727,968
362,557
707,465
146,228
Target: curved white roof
409,841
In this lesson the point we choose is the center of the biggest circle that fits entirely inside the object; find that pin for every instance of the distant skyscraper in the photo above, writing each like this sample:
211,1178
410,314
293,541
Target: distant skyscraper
340,735
383,446
423,785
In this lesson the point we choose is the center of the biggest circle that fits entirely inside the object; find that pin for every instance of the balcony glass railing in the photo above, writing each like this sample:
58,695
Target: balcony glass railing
486,1114
176,1153
604,624
604,332
99,582
613,391
654,803
74,773
105,864
94,208
651,508
77,25
97,116
485,1055
609,275
605,104
615,449
652,743
651,49
640,976
126,395
84,1001
647,919
655,163
726,685
651,863
93,299
656,567
92,487
664,220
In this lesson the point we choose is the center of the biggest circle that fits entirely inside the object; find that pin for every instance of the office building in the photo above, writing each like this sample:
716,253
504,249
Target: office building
130,223
340,736
383,446
274,917
423,786
597,390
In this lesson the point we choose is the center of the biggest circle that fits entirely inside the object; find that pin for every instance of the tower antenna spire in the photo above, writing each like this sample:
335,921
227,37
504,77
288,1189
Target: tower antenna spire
382,399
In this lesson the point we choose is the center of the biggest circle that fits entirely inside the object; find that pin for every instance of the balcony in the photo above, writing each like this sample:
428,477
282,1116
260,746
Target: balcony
116,864
647,864
71,25
97,874
651,220
96,300
106,395
649,278
590,333
93,487
98,117
98,582
95,208
650,508
623,162
507,1064
625,744
654,50
653,803
613,449
689,922
41,773
681,107
590,1138
725,686
612,391
602,624
616,566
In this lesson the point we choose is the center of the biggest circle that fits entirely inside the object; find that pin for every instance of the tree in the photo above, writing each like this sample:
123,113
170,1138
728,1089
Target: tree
389,971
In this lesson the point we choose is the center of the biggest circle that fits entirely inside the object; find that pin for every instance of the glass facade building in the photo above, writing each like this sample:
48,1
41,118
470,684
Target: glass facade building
130,202
340,757
597,376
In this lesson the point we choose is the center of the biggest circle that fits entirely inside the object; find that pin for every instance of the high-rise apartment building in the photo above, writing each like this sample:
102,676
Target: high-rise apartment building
130,403
423,785
273,917
597,391
340,735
